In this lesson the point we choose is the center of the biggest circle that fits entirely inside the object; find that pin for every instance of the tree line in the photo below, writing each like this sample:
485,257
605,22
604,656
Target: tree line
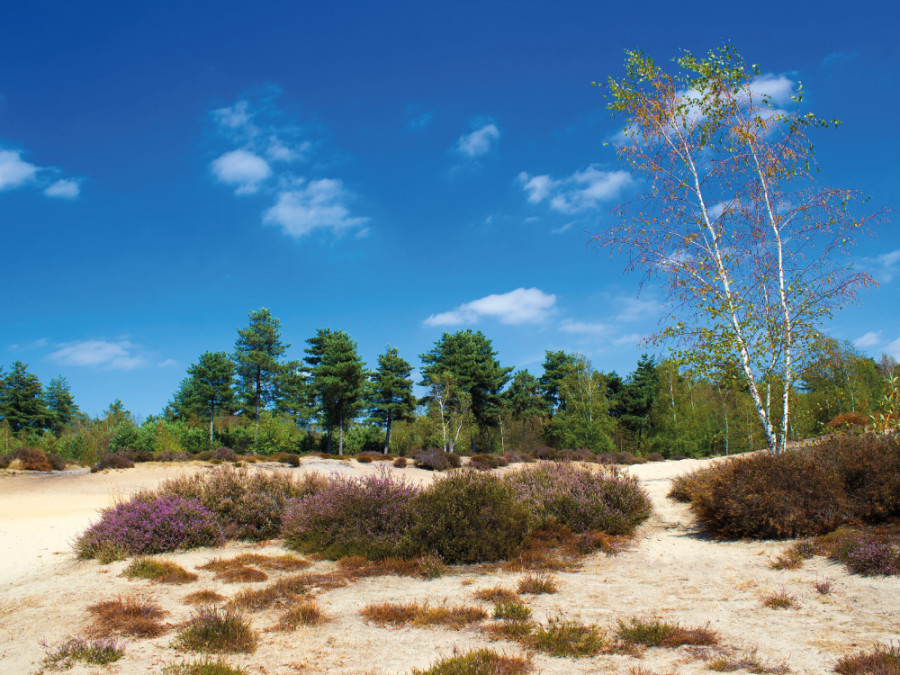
256,399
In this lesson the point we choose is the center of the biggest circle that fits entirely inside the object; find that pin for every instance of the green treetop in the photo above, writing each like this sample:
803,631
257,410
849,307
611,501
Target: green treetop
392,398
258,353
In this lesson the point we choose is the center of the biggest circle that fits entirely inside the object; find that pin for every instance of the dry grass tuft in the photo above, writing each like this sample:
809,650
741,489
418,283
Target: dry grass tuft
537,584
358,567
881,661
127,616
285,591
221,631
205,667
205,596
658,633
789,560
780,600
518,631
823,587
301,613
567,638
396,614
159,571
497,594
282,563
748,661
511,610
479,662
242,575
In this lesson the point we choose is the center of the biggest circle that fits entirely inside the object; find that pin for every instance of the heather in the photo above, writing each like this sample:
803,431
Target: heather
802,492
581,499
95,652
862,552
368,517
150,525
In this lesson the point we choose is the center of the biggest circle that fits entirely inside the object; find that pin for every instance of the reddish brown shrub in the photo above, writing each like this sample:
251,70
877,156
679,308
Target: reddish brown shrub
846,421
486,462
127,616
400,462
112,461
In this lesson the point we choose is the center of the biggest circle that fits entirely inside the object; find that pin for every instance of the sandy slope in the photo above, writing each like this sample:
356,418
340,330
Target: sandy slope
672,572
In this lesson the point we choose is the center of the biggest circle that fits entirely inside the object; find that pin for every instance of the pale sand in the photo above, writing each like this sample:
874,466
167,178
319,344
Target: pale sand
672,572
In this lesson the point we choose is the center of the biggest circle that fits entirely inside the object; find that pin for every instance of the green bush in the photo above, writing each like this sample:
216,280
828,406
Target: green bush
469,517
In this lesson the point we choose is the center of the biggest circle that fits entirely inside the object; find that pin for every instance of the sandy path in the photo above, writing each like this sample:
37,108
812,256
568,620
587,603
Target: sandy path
672,572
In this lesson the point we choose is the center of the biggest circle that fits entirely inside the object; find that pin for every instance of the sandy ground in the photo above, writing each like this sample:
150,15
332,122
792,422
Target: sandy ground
672,571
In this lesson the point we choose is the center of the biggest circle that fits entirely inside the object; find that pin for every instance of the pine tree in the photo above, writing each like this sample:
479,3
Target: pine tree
338,378
391,396
258,353
210,388
22,401
295,399
637,397
524,397
60,404
556,366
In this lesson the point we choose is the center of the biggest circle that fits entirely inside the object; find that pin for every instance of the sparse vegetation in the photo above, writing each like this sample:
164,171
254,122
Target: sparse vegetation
479,662
97,652
537,584
301,613
396,614
127,616
561,637
780,600
511,610
217,630
659,633
160,571
497,594
204,596
204,667
881,661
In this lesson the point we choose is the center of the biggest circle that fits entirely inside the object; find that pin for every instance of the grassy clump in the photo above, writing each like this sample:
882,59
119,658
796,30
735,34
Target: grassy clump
567,638
517,631
279,563
582,499
470,517
205,667
369,517
479,662
148,525
247,504
127,616
511,610
658,633
301,613
881,661
204,596
285,591
396,614
216,630
97,652
497,594
537,584
358,566
780,600
799,493
160,571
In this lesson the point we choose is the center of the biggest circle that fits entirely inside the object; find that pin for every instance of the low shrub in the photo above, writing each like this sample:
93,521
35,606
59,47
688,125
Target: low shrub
581,499
469,517
205,596
112,461
486,462
655,457
658,633
497,594
881,661
32,459
127,616
301,613
862,552
400,462
435,459
539,584
621,458
479,662
225,454
369,516
248,504
290,458
150,525
868,466
846,421
567,638
395,614
217,630
373,457
97,652
205,667
780,600
516,457
511,610
159,571
685,486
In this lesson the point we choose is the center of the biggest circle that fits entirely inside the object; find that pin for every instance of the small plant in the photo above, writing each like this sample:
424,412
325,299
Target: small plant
781,600
241,575
301,613
159,571
400,462
127,616
431,567
205,596
357,566
205,667
97,652
823,587
511,610
789,560
658,633
497,594
881,661
518,631
479,662
537,584
567,638
280,563
422,615
216,630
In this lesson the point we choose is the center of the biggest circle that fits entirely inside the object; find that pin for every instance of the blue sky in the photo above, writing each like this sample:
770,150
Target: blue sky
167,167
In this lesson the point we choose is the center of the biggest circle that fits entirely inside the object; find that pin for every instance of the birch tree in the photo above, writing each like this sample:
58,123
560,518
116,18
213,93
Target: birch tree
732,221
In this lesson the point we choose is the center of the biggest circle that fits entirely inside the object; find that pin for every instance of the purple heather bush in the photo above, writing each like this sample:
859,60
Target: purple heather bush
582,499
368,516
150,525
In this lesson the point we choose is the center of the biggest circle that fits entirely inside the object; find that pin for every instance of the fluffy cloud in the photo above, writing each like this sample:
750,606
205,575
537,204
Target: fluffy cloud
318,204
884,266
593,329
637,309
479,142
777,88
14,171
241,168
580,192
119,355
64,188
265,149
521,306
870,339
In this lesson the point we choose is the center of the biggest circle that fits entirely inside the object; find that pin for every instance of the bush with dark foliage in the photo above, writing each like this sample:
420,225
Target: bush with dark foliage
435,459
112,461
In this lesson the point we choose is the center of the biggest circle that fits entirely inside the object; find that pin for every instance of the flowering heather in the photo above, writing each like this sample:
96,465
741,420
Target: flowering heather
368,516
150,525
581,499
97,652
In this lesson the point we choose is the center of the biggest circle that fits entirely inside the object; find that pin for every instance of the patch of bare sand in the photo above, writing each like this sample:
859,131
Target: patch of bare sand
672,572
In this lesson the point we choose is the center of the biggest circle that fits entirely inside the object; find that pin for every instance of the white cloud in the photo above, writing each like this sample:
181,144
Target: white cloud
14,171
119,355
870,339
521,306
778,88
582,191
630,340
234,117
318,204
594,329
64,188
636,309
563,228
884,266
241,168
479,142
